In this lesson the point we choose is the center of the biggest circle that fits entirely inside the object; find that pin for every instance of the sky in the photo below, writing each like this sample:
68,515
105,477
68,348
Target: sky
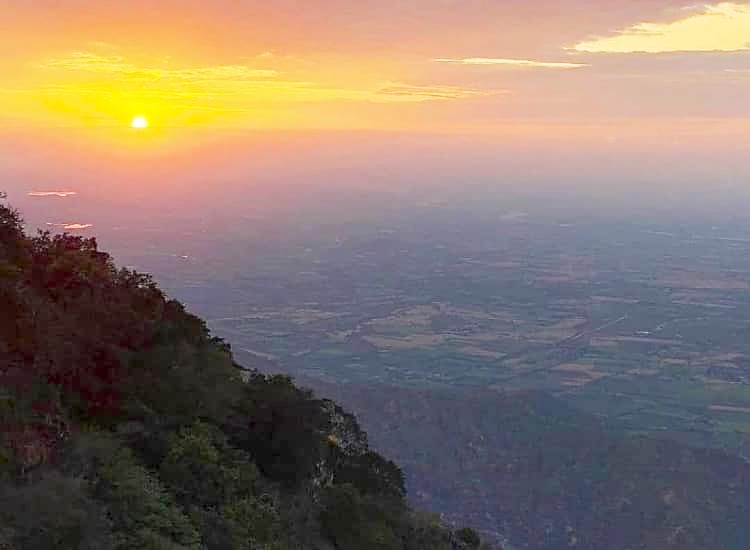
552,80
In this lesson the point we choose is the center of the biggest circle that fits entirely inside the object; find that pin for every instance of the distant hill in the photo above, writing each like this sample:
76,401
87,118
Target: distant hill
125,425
532,470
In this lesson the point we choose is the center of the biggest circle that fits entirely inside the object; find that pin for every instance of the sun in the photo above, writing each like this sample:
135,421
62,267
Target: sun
139,123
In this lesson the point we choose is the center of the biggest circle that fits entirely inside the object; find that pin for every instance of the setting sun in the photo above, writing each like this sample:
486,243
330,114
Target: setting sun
139,123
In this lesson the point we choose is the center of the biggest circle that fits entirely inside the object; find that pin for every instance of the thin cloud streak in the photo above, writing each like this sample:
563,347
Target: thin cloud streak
61,194
72,226
220,88
528,63
426,93
115,64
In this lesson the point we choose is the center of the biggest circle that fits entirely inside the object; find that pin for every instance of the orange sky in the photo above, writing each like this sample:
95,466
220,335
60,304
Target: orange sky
547,70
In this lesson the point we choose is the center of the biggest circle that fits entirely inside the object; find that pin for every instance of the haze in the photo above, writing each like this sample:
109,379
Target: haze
548,92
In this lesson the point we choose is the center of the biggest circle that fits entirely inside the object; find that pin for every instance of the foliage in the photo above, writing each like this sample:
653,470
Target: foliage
145,515
370,473
352,520
182,361
281,425
468,537
54,511
253,523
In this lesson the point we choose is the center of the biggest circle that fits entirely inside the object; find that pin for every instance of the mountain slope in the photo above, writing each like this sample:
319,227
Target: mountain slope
544,476
124,424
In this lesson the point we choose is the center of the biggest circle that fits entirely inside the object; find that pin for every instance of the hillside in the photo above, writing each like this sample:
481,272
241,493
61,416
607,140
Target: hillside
532,470
124,424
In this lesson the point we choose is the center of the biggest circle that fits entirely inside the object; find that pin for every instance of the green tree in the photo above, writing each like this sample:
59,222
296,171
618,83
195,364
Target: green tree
281,426
354,522
253,523
371,473
144,514
468,538
54,511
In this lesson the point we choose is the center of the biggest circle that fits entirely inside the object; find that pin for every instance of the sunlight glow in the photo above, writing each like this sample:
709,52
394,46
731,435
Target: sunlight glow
85,90
139,123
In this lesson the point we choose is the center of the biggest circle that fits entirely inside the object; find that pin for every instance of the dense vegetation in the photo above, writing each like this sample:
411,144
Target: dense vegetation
124,424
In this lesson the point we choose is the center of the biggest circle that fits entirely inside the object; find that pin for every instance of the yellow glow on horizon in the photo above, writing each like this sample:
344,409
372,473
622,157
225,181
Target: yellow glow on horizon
719,27
139,123
101,89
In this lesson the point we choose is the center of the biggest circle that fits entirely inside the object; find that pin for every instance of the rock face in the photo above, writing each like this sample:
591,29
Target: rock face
345,432
345,438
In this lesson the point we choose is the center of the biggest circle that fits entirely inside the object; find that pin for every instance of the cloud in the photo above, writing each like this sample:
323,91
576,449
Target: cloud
77,226
117,65
91,89
527,63
722,27
228,88
61,194
407,92
71,226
